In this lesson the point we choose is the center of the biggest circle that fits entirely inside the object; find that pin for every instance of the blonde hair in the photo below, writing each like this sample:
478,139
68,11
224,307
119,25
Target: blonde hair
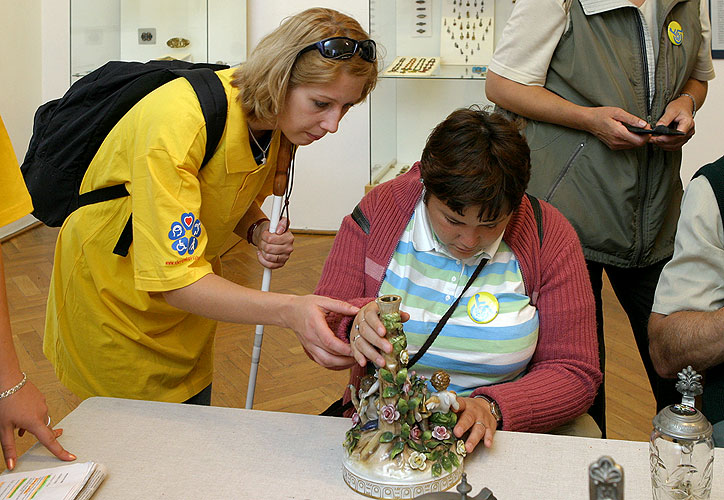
273,67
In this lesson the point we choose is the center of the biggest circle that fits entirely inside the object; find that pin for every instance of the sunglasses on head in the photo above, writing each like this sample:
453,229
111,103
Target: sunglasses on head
342,47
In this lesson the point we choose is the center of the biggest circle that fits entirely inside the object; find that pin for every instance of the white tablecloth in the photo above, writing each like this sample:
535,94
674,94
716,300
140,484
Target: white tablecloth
172,451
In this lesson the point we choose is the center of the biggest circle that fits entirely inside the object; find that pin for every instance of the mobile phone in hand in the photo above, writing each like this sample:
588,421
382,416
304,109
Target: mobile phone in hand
657,130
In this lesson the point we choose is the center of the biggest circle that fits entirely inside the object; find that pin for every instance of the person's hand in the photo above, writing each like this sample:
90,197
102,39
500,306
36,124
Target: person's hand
607,124
307,317
367,335
26,410
274,249
474,415
676,115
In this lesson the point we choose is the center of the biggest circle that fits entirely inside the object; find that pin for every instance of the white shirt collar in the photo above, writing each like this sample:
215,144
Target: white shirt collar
425,240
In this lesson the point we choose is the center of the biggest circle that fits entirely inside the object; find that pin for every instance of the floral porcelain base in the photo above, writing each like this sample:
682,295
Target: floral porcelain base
379,483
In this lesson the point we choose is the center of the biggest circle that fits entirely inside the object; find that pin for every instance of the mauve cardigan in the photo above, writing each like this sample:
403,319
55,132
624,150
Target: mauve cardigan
563,375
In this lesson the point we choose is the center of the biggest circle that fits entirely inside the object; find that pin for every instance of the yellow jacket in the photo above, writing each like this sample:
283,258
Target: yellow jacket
109,332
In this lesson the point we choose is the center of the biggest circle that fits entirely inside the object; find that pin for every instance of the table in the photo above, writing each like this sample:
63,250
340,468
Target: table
172,451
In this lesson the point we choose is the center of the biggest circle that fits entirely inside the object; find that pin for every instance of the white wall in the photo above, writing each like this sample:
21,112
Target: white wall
20,85
21,69
708,143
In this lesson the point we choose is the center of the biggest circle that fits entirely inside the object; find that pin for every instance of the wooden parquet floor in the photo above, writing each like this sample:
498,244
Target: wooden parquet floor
287,380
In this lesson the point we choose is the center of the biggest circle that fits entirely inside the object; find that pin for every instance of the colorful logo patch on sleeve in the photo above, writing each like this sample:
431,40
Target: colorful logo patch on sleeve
181,242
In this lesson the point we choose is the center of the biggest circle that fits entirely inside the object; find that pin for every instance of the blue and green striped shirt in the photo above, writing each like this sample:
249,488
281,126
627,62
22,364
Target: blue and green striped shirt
429,279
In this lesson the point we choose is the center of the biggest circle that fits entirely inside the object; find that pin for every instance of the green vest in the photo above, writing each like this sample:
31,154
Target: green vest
624,205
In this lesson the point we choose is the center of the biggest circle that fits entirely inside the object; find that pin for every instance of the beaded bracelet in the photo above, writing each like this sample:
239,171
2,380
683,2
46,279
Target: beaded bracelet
15,389
252,228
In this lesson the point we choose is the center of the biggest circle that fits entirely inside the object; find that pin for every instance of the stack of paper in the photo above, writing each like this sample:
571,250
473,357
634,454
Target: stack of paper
76,481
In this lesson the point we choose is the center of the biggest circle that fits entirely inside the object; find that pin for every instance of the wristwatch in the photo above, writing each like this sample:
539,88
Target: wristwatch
494,409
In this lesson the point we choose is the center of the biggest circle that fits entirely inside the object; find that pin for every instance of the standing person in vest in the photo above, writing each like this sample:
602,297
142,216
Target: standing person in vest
22,406
142,326
582,71
520,345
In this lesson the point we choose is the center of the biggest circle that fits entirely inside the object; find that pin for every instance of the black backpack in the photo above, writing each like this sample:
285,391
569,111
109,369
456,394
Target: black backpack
68,132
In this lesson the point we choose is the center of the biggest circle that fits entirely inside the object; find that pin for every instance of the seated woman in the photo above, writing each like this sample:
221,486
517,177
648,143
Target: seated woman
521,346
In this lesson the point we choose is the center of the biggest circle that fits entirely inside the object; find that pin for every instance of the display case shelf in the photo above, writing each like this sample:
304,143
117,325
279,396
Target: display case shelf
134,30
448,72
405,108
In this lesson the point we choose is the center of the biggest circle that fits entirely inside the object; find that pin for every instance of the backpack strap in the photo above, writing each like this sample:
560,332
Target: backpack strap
538,214
714,173
212,98
361,219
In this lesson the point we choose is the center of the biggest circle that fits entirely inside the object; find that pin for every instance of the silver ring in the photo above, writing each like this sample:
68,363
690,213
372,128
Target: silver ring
48,424
354,339
356,327
480,423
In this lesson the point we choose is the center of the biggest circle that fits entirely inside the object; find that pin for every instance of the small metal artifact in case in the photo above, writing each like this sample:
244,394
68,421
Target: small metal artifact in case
681,447
177,42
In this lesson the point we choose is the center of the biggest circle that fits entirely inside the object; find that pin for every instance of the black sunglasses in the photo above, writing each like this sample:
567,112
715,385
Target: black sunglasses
342,47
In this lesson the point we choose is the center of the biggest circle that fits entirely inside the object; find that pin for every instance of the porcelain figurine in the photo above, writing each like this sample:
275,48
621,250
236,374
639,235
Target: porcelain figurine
401,444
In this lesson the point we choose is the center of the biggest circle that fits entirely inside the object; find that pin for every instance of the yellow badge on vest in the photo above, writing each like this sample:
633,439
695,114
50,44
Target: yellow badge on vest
676,33
483,307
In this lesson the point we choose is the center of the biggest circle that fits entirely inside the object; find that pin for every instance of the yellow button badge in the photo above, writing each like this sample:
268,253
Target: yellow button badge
676,33
483,307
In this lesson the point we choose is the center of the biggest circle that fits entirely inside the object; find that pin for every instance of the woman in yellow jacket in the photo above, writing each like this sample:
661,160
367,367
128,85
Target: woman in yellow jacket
142,326
22,406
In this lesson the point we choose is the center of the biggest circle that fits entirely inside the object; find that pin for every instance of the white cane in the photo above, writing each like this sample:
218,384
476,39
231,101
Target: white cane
284,158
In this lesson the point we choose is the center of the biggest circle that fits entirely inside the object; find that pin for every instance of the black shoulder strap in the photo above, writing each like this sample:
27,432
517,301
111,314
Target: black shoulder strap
438,328
212,97
538,214
361,219
714,173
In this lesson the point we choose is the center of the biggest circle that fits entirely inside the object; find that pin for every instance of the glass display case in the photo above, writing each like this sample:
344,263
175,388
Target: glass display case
137,30
433,58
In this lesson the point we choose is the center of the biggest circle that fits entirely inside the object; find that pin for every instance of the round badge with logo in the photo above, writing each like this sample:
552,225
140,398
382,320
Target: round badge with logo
483,307
676,33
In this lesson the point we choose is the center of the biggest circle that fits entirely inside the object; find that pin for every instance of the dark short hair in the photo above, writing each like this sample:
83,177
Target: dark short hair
476,158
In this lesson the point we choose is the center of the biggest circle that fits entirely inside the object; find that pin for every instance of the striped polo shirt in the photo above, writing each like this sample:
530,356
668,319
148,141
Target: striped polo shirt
429,279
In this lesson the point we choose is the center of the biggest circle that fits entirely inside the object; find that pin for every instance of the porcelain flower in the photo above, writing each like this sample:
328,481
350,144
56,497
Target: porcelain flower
417,460
355,418
440,432
404,357
389,413
415,433
406,387
460,448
